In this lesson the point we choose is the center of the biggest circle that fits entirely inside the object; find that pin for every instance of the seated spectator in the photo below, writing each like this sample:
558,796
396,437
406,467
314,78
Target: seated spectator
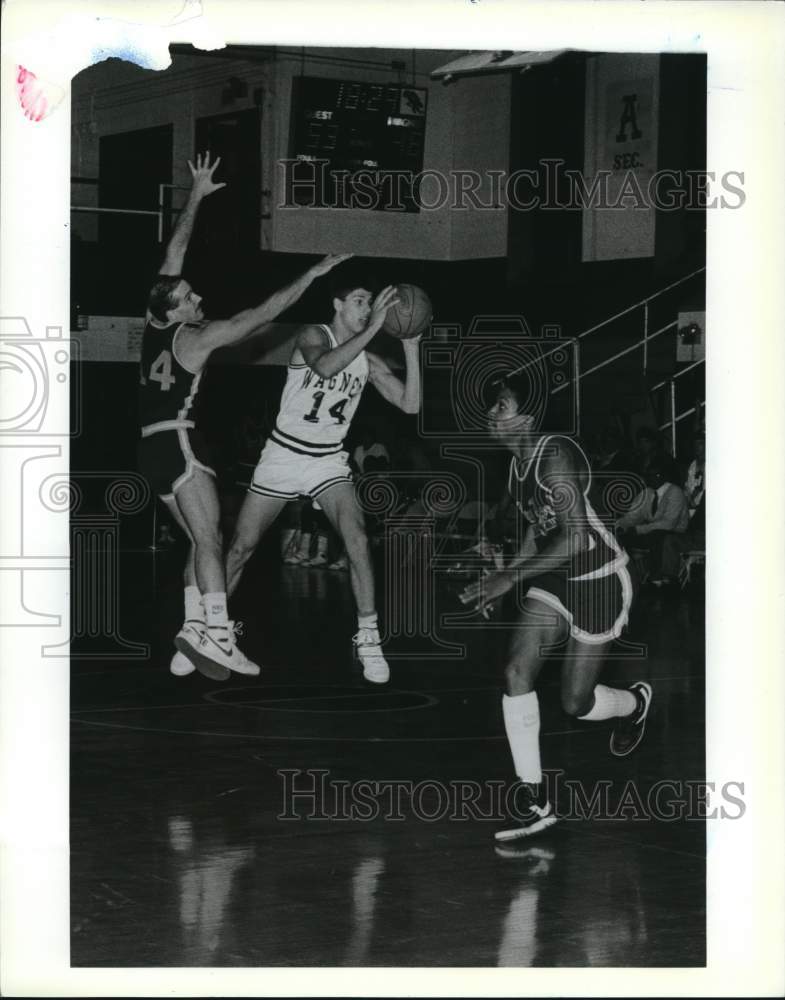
694,538
660,509
695,483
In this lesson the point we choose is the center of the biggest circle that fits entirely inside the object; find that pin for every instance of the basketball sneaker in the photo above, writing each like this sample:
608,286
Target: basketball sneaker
217,653
536,816
181,666
190,634
369,650
628,730
341,563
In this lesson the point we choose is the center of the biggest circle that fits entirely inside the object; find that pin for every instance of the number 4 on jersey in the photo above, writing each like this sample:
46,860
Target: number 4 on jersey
337,410
161,371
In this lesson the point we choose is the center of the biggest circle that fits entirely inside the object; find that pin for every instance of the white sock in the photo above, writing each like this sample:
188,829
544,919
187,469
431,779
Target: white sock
610,703
368,621
194,610
522,722
215,610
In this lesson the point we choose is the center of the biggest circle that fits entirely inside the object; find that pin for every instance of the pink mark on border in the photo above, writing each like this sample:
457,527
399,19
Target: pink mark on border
30,91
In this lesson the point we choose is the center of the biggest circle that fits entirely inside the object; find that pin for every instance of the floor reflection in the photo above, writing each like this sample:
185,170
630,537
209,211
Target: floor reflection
206,879
519,940
189,863
365,881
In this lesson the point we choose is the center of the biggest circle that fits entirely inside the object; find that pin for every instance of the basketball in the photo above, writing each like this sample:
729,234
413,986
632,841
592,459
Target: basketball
412,314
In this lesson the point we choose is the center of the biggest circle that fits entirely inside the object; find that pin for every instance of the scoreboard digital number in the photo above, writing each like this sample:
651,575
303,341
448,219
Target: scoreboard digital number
355,145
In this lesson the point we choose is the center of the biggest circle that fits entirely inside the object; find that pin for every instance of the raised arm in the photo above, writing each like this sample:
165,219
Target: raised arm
326,360
203,185
405,395
225,332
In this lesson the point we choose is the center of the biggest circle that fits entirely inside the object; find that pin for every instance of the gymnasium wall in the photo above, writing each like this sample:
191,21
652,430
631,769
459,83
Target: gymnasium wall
551,122
467,126
502,263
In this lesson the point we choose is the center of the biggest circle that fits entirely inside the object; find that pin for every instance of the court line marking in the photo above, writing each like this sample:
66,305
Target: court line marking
227,704
319,739
261,705
210,697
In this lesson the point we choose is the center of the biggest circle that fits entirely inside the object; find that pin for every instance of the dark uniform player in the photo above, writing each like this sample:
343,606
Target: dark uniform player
167,394
572,566
176,345
592,591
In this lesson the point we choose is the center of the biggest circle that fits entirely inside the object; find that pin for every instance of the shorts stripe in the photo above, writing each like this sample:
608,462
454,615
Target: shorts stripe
317,490
191,461
307,444
614,566
591,638
166,425
265,491
301,451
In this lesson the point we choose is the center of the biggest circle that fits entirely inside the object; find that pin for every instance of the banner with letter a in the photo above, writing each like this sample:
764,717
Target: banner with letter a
620,158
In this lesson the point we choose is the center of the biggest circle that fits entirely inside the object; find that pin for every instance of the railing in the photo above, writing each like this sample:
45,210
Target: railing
643,344
647,337
159,213
676,418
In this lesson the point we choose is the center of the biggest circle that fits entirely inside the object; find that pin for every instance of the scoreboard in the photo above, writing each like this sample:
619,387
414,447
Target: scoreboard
355,144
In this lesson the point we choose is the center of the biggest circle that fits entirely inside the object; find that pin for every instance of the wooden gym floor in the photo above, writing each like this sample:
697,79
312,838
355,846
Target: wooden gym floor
179,856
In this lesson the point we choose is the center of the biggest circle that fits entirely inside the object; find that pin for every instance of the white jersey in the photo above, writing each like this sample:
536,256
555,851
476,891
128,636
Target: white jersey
316,412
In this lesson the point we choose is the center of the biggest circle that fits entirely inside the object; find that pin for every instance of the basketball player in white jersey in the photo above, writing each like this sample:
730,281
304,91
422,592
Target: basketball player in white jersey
176,345
577,599
327,372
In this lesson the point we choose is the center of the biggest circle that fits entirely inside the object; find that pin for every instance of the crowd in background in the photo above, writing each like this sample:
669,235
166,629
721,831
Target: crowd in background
665,502
661,520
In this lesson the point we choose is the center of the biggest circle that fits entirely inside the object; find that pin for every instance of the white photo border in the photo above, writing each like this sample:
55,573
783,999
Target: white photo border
745,43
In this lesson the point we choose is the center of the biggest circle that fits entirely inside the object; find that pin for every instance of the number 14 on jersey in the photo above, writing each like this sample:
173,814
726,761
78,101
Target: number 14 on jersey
335,411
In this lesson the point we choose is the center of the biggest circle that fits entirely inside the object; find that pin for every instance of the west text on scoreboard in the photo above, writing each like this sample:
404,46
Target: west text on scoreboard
355,144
